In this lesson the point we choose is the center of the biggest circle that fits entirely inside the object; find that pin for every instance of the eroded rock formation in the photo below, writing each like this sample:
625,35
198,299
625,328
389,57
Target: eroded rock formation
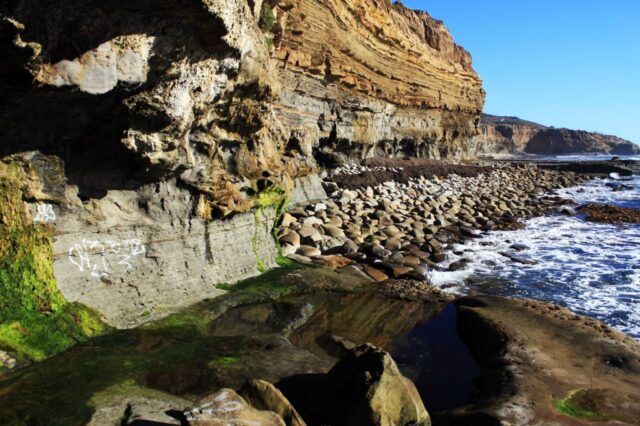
138,91
158,136
513,135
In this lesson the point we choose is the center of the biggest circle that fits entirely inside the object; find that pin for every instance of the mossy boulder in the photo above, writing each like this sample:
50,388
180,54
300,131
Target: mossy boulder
35,319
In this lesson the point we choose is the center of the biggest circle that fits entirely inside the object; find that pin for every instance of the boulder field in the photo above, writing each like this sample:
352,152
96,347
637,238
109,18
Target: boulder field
400,228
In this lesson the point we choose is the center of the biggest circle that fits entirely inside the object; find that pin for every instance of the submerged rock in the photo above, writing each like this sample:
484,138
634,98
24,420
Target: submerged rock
604,213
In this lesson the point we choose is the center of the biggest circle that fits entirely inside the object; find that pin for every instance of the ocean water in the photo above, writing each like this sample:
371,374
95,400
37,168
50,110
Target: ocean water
593,269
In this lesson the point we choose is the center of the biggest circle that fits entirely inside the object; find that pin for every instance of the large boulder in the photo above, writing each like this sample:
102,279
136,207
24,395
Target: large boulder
265,396
370,389
364,388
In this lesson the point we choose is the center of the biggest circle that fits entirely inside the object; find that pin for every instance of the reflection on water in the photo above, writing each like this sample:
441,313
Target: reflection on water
422,340
438,362
360,318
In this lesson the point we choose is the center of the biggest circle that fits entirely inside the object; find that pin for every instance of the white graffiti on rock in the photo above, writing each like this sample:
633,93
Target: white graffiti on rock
101,259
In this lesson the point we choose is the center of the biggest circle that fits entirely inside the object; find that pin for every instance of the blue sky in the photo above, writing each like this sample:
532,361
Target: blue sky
563,63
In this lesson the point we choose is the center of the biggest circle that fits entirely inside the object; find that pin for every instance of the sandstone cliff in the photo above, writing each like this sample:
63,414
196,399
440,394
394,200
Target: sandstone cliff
364,77
157,138
513,135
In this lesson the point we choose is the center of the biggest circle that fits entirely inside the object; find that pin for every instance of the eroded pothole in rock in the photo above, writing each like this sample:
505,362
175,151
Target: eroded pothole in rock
434,357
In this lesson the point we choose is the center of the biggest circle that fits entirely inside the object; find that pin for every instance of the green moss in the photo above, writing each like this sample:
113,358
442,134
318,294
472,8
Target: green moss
268,284
128,389
597,405
269,42
267,18
276,198
228,360
35,318
566,407
65,389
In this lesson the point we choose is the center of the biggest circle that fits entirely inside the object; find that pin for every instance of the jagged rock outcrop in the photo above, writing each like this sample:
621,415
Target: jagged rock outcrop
159,137
365,387
365,77
137,91
513,135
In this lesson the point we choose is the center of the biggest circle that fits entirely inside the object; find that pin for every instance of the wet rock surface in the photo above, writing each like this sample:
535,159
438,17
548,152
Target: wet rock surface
604,213
538,355
298,329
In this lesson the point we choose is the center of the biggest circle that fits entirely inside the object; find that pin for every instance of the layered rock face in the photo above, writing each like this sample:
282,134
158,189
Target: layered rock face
160,135
138,123
365,77
512,135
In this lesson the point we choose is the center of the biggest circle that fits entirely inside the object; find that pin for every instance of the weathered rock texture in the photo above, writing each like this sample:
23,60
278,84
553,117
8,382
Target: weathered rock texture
538,359
364,77
137,91
138,255
513,135
145,120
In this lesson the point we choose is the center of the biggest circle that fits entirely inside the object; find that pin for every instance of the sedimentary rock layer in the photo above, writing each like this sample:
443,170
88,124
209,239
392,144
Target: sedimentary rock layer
512,135
365,76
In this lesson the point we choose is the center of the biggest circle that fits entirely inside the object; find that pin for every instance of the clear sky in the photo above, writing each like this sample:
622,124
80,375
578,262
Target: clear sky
563,63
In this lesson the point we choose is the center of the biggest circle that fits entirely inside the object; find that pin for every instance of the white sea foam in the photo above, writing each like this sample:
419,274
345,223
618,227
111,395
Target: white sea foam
594,269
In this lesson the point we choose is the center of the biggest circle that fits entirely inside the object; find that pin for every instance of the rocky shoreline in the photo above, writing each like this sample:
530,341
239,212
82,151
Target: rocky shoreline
398,229
282,349
290,349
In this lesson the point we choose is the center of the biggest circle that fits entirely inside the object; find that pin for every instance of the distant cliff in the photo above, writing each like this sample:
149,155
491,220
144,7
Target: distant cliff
512,135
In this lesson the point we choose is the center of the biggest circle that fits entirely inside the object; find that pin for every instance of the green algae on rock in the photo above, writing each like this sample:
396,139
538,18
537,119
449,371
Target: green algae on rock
599,405
35,319
177,354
